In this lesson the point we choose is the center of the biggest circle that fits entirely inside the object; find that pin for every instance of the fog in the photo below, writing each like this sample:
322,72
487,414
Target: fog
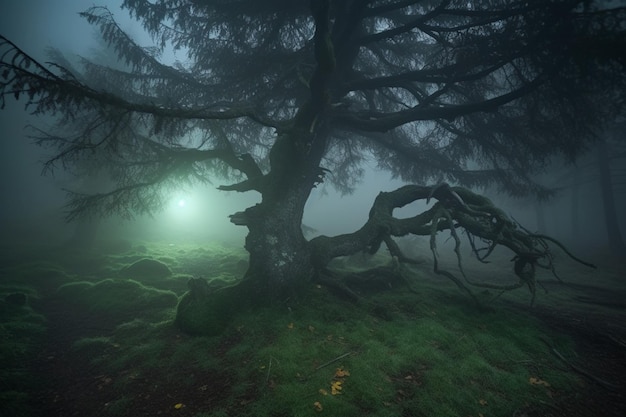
152,316
33,209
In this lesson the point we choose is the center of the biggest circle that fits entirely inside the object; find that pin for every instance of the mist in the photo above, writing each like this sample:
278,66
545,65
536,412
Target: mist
34,203
510,308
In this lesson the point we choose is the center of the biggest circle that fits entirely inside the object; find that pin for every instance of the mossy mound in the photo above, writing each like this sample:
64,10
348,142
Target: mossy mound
205,310
117,299
40,277
147,269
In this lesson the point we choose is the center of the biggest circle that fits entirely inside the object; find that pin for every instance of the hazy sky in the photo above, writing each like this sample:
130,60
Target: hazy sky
35,25
28,199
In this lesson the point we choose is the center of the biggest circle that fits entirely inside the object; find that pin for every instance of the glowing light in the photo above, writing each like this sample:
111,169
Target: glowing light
182,202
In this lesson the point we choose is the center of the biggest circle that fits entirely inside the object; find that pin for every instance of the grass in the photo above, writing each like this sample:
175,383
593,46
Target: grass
22,330
428,366
431,353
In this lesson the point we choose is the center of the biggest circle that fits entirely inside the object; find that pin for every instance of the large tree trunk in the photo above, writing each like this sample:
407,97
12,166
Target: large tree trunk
280,258
281,263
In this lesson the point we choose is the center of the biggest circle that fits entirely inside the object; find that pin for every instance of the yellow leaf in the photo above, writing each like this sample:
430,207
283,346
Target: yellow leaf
335,387
290,326
340,373
318,406
179,406
482,402
536,381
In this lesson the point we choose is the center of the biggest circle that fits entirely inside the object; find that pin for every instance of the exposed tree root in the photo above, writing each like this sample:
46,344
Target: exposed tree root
456,208
355,285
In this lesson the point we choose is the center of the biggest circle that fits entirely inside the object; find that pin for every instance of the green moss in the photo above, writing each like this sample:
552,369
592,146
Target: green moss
427,354
208,313
92,343
117,299
147,269
40,275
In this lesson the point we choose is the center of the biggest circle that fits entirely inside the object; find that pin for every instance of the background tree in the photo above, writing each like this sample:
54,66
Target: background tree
280,95
609,177
592,191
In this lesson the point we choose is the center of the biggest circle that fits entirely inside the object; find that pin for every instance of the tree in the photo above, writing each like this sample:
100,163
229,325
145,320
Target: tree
281,95
607,178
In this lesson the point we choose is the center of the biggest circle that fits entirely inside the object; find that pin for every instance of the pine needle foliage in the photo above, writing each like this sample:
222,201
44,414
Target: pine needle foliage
473,93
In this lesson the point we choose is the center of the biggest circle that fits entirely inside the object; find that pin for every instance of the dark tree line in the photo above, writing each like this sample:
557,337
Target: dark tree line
277,96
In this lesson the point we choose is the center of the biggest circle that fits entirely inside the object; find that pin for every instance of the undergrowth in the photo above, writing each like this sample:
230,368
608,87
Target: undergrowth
431,353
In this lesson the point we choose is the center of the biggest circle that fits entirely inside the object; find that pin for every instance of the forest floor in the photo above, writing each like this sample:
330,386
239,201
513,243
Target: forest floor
92,337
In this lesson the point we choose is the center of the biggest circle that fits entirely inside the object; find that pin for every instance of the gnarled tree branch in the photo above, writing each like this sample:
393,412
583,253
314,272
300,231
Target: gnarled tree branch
455,208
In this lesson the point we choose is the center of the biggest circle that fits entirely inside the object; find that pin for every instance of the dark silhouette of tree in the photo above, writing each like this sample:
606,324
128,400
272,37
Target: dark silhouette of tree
280,95
599,170
607,187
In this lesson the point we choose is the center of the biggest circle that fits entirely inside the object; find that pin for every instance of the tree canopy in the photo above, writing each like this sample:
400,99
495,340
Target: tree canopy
474,93
276,96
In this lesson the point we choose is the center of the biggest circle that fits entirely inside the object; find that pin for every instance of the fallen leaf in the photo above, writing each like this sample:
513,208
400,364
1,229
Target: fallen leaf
290,326
482,402
318,406
179,406
536,381
340,373
335,387
323,391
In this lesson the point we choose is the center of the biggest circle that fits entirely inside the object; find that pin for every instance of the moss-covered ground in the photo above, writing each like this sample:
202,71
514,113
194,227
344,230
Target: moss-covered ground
80,337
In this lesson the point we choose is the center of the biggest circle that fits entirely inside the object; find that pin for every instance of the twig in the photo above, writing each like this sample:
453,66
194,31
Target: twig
600,381
269,369
563,248
333,361
616,340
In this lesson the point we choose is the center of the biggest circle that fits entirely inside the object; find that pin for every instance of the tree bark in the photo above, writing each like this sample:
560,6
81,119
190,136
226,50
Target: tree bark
575,202
616,241
280,263
280,256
